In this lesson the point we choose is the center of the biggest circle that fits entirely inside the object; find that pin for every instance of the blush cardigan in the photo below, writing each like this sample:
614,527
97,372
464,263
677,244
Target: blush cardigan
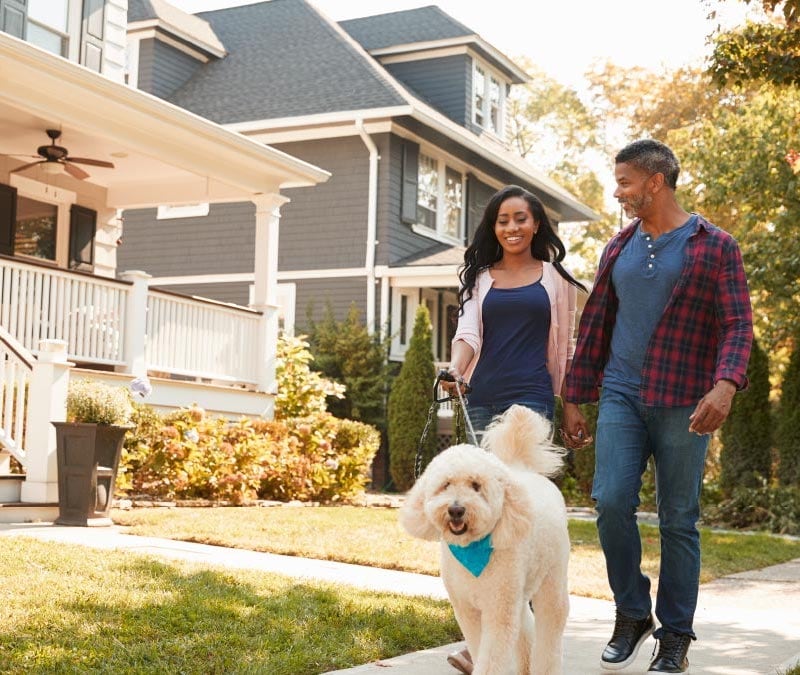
561,340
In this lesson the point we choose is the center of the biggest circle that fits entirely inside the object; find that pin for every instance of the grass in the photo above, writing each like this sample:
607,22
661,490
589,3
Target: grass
69,609
372,536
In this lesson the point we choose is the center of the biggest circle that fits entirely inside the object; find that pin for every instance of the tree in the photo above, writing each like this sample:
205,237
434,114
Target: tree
746,458
410,401
344,351
788,427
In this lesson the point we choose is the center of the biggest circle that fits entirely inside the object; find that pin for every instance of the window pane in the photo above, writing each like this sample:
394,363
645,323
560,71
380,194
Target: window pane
35,233
453,201
494,105
46,39
403,319
478,92
52,13
427,191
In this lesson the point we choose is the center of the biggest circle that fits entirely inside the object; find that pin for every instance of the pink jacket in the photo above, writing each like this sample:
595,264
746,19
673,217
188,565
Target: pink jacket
561,341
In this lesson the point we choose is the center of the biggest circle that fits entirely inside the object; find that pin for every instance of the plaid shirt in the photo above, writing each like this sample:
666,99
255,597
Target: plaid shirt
703,336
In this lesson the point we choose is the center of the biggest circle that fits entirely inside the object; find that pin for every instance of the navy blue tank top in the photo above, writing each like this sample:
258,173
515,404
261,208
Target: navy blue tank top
513,361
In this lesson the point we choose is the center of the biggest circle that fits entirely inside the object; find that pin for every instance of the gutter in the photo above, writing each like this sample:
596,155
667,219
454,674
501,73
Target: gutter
372,222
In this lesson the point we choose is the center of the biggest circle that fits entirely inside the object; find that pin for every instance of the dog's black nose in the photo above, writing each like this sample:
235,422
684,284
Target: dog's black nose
456,512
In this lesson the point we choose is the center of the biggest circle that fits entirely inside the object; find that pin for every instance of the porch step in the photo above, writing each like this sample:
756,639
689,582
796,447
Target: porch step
18,512
10,485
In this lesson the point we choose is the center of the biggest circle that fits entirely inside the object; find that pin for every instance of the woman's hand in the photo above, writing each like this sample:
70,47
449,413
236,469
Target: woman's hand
451,386
574,430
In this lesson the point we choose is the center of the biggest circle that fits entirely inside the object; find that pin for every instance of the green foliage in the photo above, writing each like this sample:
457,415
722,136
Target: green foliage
409,402
98,403
301,391
345,352
774,509
788,427
746,436
189,455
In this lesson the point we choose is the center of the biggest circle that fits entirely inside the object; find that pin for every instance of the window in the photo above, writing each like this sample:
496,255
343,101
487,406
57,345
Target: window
440,197
47,25
35,230
488,99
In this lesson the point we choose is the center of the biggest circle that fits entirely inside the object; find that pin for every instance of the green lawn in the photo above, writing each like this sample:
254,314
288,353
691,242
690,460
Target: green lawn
372,536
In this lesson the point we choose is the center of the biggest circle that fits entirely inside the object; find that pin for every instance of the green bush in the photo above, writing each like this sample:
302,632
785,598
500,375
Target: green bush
763,508
746,436
787,437
345,352
409,402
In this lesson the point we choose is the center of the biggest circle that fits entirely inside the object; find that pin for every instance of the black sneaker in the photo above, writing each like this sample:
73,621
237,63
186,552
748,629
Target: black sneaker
671,657
624,644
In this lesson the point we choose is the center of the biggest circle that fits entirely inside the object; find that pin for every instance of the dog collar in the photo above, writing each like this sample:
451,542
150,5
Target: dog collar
474,556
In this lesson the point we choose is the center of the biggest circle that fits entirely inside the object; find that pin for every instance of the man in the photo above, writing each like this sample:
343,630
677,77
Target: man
667,330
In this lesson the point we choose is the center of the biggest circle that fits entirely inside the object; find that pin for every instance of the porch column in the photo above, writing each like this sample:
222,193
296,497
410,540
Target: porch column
265,287
47,402
136,322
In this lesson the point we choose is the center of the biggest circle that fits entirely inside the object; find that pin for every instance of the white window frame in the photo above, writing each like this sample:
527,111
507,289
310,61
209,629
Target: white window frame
440,231
63,34
489,74
398,348
169,212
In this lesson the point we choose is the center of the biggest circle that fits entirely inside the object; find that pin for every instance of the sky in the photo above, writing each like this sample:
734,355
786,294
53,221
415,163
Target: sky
563,38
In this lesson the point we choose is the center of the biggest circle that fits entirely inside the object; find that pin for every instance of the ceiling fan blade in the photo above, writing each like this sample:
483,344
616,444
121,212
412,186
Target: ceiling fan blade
93,162
74,171
27,166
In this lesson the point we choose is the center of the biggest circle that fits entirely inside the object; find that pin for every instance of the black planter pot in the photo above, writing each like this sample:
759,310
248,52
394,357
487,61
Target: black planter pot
88,458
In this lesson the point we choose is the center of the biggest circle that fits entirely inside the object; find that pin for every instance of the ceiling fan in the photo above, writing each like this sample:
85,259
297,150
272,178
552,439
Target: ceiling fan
59,156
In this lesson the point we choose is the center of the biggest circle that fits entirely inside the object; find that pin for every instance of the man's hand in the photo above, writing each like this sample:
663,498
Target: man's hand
574,430
713,408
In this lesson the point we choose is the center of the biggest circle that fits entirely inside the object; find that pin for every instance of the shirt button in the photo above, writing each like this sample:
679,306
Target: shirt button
649,246
650,265
652,255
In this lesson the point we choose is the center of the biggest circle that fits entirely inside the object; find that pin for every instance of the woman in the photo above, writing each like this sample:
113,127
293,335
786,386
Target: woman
514,341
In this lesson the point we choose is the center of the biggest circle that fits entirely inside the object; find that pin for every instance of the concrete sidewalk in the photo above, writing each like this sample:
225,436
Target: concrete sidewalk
747,624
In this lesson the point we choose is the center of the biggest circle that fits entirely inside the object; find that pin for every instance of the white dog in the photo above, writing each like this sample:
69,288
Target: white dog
503,530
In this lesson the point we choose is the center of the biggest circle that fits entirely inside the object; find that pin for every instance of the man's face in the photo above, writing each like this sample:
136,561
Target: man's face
634,190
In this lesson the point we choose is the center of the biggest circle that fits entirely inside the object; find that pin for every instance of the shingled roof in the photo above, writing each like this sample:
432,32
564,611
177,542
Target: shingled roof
284,60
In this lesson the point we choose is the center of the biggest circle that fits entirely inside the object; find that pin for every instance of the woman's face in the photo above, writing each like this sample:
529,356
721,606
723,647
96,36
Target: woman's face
515,227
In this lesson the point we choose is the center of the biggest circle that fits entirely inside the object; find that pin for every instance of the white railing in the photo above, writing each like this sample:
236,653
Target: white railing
16,369
201,338
87,312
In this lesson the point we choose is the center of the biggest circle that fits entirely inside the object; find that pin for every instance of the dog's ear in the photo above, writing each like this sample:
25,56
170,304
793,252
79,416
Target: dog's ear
514,523
413,518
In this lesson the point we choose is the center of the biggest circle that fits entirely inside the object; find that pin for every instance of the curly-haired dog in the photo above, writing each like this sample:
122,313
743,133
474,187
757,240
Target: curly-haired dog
503,529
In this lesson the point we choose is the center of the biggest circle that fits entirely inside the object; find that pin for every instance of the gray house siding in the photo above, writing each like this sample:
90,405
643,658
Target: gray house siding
238,293
444,82
219,243
316,295
163,69
326,226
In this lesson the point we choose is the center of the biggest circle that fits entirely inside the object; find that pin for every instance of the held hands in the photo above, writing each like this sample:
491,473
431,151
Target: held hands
574,430
713,408
456,381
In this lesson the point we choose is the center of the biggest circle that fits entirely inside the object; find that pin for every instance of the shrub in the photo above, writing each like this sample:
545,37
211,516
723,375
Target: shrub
98,403
409,402
787,438
773,509
746,436
344,351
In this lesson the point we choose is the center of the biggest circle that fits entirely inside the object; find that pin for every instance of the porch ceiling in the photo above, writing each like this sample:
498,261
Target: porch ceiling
162,154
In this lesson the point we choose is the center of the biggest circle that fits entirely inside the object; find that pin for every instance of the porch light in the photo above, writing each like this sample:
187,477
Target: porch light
51,168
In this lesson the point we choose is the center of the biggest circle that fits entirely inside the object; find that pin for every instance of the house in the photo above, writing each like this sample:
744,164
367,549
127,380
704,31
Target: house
78,147
406,110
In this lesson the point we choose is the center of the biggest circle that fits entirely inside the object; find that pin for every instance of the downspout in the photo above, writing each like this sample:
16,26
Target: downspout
372,222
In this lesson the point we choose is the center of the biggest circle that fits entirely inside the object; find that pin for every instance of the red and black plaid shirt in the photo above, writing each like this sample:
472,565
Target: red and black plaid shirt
703,336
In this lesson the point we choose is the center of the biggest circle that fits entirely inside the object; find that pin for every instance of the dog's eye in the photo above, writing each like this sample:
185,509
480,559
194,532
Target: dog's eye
476,486
445,485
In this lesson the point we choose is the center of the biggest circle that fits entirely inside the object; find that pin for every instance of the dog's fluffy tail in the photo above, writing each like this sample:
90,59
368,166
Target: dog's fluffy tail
521,437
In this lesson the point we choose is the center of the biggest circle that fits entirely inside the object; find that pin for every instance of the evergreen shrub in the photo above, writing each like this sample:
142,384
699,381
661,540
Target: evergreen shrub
787,437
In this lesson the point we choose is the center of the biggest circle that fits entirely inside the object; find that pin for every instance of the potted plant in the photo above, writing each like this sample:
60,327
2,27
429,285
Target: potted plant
88,449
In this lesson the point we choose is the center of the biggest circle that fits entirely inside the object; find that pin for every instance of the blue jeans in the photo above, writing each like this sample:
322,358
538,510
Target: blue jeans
481,415
627,434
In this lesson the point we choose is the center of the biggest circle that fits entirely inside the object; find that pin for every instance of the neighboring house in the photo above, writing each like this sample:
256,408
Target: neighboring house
111,148
407,111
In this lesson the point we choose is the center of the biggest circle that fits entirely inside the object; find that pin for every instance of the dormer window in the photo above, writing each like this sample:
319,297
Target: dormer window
488,98
440,198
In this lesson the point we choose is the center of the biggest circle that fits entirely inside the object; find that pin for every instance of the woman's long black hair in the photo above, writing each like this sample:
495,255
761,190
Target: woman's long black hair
485,250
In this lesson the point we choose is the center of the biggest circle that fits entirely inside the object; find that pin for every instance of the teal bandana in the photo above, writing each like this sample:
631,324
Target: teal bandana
474,556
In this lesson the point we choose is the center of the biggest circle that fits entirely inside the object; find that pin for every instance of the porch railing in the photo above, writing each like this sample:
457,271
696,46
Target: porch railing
16,370
97,317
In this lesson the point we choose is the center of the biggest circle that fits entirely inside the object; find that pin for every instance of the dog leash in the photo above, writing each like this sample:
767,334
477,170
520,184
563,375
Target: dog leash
461,389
